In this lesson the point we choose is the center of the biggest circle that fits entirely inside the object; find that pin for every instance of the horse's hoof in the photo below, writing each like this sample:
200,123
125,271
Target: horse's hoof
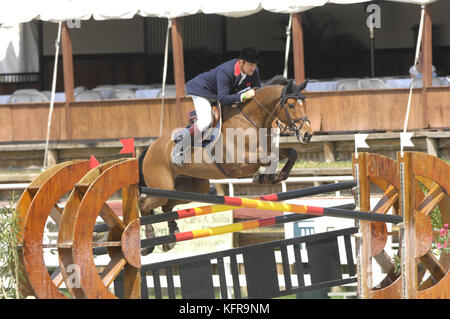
167,247
264,179
276,179
149,231
257,179
147,250
282,176
173,229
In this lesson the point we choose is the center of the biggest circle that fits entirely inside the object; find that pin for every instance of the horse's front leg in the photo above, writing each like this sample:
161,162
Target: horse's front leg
291,155
272,178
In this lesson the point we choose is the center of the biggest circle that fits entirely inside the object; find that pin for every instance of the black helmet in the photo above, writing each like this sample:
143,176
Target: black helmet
249,54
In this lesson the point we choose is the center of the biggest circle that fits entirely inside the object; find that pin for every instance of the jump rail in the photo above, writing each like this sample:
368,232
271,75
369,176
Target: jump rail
270,205
219,230
210,209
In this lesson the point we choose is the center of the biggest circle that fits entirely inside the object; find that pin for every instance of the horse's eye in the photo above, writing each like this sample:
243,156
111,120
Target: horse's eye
291,105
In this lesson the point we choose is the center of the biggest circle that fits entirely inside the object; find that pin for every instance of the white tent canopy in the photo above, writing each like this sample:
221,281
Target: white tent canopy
20,11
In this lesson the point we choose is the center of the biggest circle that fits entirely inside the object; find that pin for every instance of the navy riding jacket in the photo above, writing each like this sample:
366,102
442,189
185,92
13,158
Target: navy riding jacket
221,83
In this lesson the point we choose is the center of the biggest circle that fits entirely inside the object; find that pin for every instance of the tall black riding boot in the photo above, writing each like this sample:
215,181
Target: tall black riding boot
184,140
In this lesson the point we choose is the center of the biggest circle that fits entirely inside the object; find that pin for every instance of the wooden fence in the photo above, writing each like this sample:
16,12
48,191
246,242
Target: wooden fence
340,111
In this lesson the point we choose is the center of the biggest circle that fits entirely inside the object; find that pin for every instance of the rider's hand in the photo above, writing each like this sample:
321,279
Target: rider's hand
247,95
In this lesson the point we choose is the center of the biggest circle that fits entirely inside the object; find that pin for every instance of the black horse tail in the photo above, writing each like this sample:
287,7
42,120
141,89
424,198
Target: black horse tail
141,175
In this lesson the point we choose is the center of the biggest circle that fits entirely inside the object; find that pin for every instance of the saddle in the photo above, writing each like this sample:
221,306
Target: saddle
211,135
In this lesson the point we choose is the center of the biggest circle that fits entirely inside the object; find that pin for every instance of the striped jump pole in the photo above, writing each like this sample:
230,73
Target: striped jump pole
258,223
276,197
270,205
231,228
210,209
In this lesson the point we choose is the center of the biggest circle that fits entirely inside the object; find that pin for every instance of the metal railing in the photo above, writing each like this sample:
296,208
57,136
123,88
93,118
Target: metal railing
16,78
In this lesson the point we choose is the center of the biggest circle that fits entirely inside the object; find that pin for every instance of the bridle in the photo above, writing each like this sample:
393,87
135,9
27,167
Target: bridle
290,127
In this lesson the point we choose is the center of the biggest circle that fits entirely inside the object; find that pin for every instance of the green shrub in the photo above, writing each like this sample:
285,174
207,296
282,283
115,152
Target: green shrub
10,266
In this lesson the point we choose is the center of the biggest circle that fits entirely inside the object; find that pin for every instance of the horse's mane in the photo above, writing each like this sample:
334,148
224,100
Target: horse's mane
277,80
285,88
273,90
289,86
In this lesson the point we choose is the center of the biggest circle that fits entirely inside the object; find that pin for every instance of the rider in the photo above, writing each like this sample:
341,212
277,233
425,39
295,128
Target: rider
229,83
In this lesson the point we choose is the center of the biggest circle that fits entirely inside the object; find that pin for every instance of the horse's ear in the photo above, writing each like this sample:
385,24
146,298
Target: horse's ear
303,85
289,87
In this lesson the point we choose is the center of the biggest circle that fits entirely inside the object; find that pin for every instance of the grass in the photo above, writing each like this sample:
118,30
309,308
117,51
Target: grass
11,270
312,164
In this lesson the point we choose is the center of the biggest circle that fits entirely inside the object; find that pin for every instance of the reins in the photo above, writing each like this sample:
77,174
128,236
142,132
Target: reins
283,128
260,106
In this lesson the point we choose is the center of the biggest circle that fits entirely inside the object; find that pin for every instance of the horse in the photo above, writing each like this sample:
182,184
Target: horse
282,104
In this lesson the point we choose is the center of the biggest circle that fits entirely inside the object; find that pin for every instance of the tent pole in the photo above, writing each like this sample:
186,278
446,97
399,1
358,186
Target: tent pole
52,96
66,42
288,44
427,63
178,63
298,53
163,90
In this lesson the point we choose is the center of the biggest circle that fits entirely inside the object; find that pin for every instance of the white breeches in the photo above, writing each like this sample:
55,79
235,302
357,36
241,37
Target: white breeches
203,110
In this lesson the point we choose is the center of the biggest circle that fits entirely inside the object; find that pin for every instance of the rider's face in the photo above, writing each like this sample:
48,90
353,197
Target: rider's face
247,67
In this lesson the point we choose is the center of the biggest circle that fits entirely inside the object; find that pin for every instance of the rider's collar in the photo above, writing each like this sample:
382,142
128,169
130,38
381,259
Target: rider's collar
237,69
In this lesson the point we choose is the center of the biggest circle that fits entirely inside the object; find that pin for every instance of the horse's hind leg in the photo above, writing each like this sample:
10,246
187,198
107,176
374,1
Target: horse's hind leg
173,228
272,178
184,184
146,206
149,230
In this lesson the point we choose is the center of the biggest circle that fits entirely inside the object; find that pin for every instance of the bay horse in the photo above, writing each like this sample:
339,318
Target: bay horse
280,103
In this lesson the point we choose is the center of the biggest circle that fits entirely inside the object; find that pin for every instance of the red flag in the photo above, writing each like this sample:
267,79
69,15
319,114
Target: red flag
128,146
93,162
